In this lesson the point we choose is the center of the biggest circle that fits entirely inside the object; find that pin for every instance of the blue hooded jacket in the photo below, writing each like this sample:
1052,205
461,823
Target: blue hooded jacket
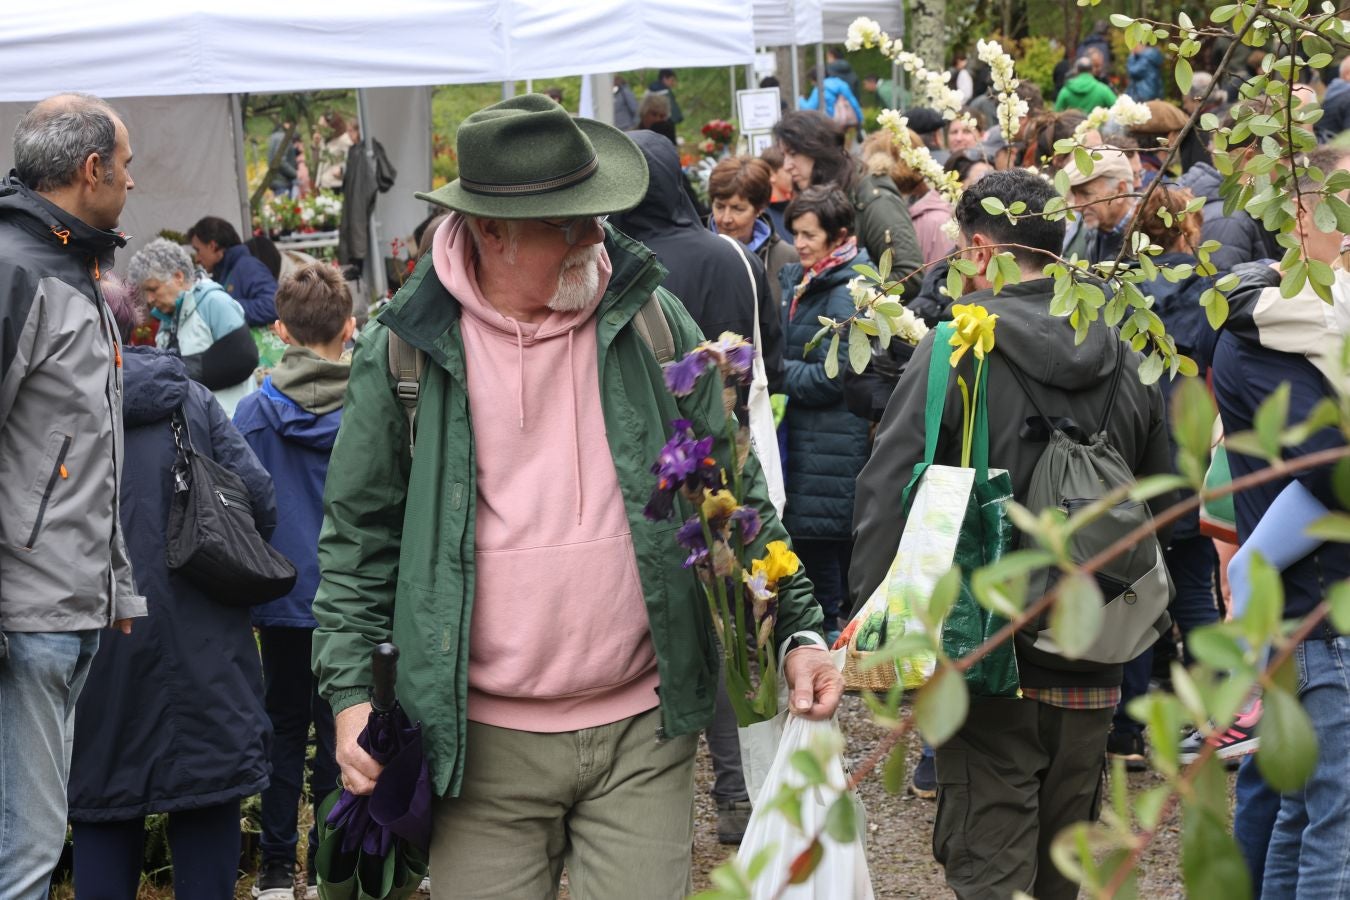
292,433
248,280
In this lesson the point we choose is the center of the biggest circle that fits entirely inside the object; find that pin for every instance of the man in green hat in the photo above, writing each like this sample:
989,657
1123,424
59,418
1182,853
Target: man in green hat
555,649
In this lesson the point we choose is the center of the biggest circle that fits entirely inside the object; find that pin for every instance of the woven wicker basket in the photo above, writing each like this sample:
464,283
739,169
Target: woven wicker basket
878,678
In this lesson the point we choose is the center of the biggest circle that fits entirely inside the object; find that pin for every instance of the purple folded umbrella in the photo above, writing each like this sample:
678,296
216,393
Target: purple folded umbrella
400,805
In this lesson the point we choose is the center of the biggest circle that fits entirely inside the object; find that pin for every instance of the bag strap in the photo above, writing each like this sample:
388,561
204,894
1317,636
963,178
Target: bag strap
406,364
935,405
759,374
653,328
182,440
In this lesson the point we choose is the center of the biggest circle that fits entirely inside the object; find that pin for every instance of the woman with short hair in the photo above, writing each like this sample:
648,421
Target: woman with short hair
740,188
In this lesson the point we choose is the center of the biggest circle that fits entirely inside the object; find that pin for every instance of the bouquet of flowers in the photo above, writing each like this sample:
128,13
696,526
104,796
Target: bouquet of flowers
319,211
717,136
743,599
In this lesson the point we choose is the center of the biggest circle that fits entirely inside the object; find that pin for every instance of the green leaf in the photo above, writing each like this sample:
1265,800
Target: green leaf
1338,599
1062,182
841,822
1331,527
1211,864
941,705
1216,310
832,358
1319,60
1271,418
1083,160
1001,586
1183,74
869,272
955,283
1193,413
1156,486
1294,279
894,772
993,206
945,594
1214,646
1265,607
1288,745
1151,369
1148,805
1324,217
1076,620
808,764
884,267
1121,21
859,348
966,267
806,863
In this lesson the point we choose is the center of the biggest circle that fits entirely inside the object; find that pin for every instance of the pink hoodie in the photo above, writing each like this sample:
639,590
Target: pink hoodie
559,638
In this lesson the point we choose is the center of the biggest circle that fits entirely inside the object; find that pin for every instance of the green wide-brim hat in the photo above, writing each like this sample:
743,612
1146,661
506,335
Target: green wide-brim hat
526,158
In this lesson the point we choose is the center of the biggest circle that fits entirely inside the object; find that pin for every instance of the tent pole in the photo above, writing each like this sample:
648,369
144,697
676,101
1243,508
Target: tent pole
508,90
820,73
240,166
374,268
529,85
796,77
732,70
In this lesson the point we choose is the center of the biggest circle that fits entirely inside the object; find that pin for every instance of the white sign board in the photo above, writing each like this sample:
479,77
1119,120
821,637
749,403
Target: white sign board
758,110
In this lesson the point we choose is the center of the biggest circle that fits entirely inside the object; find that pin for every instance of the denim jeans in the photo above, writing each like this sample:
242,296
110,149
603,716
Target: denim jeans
1309,854
40,680
1192,563
1253,818
291,696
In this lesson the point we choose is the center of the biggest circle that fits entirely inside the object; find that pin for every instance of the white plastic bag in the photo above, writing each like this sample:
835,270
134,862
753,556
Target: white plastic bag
842,873
759,741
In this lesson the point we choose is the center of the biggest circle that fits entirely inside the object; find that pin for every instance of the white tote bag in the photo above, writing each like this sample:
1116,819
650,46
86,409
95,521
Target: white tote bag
763,431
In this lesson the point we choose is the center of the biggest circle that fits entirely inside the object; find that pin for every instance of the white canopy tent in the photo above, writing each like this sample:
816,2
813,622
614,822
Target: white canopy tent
183,65
788,23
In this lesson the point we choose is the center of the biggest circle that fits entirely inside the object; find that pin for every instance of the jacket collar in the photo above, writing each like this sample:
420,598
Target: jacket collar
54,224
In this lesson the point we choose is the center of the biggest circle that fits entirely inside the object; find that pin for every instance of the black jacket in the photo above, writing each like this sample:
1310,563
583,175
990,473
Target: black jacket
707,272
172,715
826,444
1070,380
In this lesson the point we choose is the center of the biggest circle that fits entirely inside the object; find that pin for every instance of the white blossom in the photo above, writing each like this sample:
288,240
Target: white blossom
864,34
1126,112
908,327
1012,109
952,229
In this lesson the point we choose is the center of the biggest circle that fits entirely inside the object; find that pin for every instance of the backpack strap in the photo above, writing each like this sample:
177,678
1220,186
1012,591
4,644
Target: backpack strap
406,364
653,328
1052,425
1105,417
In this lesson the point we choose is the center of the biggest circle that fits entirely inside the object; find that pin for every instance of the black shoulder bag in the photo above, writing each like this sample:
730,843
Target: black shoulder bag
213,540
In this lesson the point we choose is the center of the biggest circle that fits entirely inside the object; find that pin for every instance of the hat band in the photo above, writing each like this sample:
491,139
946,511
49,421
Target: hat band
531,187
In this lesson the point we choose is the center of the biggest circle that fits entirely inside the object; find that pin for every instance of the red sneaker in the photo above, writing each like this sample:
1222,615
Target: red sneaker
1238,741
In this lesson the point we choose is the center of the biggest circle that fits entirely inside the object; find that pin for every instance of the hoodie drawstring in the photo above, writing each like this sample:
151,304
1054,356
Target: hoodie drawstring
576,431
520,372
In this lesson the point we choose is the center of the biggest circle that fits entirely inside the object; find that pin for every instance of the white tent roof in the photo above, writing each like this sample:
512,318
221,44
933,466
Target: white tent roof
783,23
839,14
146,49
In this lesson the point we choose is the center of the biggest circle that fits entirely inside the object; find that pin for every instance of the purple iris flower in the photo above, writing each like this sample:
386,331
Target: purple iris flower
683,375
684,462
748,520
690,536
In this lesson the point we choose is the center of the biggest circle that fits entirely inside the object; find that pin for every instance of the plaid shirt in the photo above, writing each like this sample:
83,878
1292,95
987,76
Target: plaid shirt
1075,697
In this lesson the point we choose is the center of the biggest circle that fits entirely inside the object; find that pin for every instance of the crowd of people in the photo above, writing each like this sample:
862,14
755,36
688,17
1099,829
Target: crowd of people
484,509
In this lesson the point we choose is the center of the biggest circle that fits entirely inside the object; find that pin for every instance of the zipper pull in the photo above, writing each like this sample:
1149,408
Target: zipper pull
64,474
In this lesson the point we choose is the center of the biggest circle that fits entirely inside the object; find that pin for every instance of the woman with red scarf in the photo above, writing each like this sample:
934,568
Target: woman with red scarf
826,444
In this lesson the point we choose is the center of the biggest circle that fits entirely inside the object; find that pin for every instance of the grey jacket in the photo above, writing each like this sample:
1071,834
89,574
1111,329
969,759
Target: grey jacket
63,561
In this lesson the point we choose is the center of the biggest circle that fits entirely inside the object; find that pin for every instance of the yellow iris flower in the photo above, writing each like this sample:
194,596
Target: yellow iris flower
974,331
718,505
779,563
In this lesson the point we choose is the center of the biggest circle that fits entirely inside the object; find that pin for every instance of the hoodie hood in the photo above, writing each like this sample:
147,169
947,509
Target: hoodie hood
1082,86
154,384
54,224
759,234
1042,345
667,204
316,384
292,421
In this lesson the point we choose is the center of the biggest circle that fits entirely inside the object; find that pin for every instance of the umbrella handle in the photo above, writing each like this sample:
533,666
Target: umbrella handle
384,673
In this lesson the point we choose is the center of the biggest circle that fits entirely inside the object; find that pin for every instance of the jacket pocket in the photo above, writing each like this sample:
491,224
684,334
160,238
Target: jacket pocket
58,445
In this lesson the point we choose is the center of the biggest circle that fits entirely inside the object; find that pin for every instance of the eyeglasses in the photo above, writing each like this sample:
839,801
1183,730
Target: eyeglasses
575,229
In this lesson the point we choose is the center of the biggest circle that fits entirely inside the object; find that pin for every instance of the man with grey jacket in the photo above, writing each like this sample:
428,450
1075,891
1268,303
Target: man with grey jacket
64,572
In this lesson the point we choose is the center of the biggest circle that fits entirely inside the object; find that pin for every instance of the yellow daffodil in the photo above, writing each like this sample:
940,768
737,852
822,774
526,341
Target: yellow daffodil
974,330
779,563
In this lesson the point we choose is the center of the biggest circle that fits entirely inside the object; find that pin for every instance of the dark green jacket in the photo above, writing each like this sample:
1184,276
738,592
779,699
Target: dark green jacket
883,223
377,585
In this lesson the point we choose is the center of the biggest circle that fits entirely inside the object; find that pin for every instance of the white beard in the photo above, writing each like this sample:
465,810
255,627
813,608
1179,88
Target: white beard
579,280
